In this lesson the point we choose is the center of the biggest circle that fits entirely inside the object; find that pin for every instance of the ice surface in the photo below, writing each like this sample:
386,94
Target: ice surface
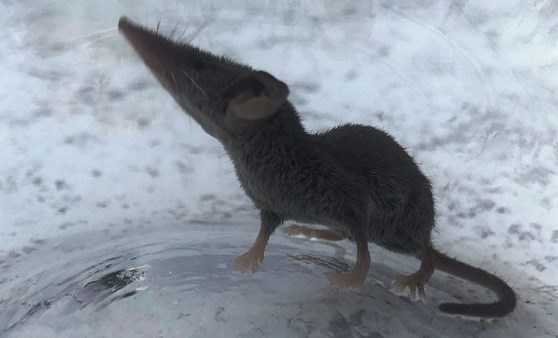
91,147
165,281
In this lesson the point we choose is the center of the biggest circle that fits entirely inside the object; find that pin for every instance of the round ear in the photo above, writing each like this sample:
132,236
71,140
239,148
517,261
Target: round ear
255,97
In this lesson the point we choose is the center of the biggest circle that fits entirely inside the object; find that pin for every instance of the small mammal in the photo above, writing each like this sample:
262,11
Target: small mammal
354,179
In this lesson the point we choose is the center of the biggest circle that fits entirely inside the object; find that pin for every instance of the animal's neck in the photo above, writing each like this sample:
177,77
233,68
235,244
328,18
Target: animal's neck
285,128
269,159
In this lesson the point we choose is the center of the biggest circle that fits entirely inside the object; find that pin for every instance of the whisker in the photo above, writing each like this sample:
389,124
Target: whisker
194,82
174,80
104,31
98,39
199,29
89,39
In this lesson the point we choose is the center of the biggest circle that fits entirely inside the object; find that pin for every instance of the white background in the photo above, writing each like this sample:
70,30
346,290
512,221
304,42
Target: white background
90,142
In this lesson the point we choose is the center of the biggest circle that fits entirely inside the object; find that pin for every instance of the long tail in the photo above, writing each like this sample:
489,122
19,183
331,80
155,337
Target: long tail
506,296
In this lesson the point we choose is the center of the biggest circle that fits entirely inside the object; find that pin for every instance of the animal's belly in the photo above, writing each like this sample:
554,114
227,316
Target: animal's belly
293,208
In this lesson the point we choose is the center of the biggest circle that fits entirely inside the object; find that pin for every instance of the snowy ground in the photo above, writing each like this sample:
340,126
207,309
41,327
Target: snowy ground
98,162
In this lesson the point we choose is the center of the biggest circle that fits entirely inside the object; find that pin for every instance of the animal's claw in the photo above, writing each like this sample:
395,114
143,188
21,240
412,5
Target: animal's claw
416,288
248,261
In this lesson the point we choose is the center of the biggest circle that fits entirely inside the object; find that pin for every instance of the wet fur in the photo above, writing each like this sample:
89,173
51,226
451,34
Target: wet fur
324,178
355,179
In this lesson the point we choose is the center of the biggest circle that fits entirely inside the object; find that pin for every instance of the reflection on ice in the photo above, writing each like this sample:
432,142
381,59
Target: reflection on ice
178,281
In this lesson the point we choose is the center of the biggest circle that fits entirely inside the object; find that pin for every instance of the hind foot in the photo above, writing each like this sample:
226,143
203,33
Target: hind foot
298,230
415,285
415,282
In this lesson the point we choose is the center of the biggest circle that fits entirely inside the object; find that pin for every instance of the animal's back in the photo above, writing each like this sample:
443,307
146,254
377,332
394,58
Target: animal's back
403,210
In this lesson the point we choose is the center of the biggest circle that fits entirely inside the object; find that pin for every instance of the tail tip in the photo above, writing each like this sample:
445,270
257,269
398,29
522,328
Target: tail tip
494,310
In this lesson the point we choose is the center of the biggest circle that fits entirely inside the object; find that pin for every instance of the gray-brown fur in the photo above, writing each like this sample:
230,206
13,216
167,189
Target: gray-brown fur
355,179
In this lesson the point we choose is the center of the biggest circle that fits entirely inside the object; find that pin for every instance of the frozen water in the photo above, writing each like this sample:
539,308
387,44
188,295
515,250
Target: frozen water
169,282
120,217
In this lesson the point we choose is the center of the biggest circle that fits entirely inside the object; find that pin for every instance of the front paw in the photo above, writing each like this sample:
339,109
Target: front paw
346,279
249,261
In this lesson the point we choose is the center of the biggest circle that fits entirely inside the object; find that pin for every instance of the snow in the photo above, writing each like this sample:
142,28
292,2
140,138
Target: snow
97,160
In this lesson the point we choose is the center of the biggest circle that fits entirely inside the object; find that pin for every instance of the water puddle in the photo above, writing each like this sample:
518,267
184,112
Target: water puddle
177,281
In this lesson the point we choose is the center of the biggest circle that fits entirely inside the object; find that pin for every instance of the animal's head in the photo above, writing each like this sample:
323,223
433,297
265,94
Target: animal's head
219,94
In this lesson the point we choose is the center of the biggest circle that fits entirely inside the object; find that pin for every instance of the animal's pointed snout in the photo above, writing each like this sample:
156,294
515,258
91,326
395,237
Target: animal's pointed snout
203,83
160,54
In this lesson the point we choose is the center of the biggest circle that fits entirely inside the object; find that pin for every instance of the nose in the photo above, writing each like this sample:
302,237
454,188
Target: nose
160,54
